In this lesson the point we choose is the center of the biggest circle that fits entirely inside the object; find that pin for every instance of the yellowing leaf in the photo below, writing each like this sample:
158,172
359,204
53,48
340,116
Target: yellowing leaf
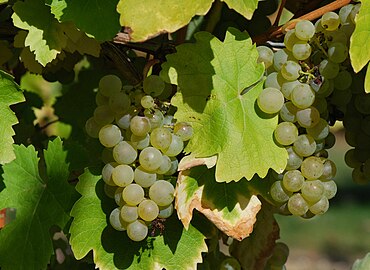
219,83
160,15
244,7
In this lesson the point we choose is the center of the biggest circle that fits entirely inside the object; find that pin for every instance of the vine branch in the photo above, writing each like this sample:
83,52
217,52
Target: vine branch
276,32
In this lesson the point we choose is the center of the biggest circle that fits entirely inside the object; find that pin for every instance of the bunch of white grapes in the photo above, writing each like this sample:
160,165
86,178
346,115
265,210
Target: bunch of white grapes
141,145
308,83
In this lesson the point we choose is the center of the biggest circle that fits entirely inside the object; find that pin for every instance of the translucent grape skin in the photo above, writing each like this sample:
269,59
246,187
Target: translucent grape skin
286,133
312,190
312,167
304,30
140,126
124,153
266,56
294,160
115,220
293,180
162,192
148,210
309,117
297,205
109,85
133,194
144,178
183,130
305,145
303,96
270,100
122,175
153,85
278,193
137,230
129,213
320,207
150,158
160,138
110,135
330,21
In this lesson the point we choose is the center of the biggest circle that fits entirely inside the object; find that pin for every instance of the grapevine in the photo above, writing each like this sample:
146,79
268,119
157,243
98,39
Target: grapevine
136,138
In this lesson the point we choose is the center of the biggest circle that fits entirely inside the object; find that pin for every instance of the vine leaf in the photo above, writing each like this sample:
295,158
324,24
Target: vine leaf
244,7
253,251
114,250
362,264
97,18
360,54
219,83
45,36
231,207
40,202
160,16
9,94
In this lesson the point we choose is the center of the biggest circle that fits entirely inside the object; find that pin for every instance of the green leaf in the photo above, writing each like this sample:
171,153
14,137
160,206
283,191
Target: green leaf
232,207
177,248
160,16
244,7
367,80
359,53
219,83
98,18
363,264
41,202
253,252
46,37
9,94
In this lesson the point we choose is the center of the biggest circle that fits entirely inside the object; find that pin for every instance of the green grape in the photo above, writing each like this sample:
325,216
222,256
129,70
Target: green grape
320,104
109,85
293,180
288,112
140,126
359,177
136,97
165,211
150,159
330,170
137,230
328,69
290,70
337,52
280,57
266,56
107,173
336,36
156,119
133,194
160,138
351,159
330,188
92,128
330,141
312,168
297,205
278,193
308,118
183,130
302,96
147,102
279,255
294,160
341,98
344,14
103,115
348,29
109,190
115,220
305,145
290,39
301,50
330,21
318,27
165,165
124,153
153,85
312,190
270,100
320,207
144,178
320,131
317,57
230,264
304,30
175,148
273,80
174,165
118,196
320,145
119,103
123,120
140,142
129,213
110,135
100,99
350,138
326,88
162,192
286,133
287,88
362,103
122,175
148,210
354,12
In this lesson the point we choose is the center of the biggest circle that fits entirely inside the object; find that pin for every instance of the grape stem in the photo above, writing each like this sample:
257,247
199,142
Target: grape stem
275,32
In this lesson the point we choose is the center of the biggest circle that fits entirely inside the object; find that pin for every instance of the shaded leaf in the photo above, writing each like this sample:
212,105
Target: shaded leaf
253,252
231,207
219,83
160,16
362,264
9,94
40,202
177,248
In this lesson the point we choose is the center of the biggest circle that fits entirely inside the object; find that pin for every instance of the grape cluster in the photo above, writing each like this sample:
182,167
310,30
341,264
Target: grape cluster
308,85
141,144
